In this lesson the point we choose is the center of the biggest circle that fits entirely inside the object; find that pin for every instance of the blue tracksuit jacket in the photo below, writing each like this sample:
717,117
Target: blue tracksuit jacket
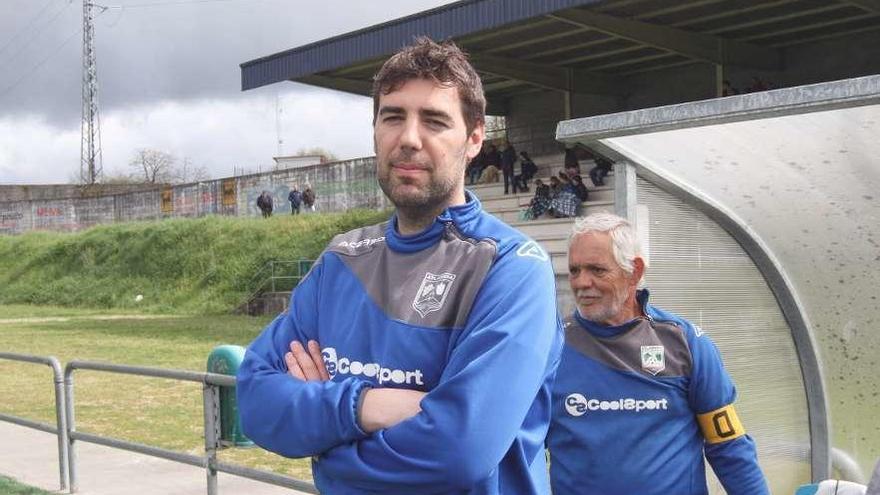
628,404
464,311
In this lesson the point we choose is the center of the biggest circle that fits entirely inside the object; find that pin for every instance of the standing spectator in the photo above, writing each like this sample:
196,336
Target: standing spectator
295,198
308,198
508,160
264,203
528,169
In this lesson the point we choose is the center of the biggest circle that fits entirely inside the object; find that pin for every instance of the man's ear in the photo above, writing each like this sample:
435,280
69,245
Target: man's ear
475,140
638,270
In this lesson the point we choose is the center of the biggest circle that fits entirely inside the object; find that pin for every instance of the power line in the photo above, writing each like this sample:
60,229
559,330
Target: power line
34,34
40,64
163,4
16,35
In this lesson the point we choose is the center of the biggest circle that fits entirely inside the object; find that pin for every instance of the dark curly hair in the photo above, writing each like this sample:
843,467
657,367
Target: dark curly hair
442,62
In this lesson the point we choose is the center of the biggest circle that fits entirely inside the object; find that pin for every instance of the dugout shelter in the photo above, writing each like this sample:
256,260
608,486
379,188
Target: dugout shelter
760,209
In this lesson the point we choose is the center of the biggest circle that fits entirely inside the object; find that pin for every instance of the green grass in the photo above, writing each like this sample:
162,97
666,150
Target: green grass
195,266
11,487
159,412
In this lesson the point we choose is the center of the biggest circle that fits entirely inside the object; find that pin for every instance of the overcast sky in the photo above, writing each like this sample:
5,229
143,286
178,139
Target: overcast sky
169,79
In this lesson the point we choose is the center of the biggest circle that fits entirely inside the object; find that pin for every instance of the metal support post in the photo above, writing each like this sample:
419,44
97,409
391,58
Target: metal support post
61,421
71,428
211,397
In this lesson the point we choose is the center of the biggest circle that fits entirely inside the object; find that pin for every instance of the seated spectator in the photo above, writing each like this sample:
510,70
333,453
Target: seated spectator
540,202
492,166
598,173
528,169
727,89
564,202
579,188
476,166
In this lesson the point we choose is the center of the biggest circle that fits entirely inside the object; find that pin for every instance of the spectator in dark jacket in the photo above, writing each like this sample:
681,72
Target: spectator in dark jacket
598,173
579,188
264,203
528,169
476,166
295,198
508,160
309,198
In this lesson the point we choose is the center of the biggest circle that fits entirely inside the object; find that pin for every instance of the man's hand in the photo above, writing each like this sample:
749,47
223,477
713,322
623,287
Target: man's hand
306,365
380,408
385,407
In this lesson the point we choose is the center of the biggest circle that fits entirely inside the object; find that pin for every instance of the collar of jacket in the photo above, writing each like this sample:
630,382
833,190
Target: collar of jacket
460,215
606,331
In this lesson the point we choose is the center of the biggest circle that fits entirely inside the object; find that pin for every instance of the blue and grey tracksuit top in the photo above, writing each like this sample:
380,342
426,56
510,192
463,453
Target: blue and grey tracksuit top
636,406
464,311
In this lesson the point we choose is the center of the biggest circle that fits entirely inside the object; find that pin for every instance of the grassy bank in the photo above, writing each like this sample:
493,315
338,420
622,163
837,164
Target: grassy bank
203,265
11,487
165,413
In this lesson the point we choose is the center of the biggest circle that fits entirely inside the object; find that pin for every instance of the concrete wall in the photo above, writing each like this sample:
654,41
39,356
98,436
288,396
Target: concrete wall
338,186
55,191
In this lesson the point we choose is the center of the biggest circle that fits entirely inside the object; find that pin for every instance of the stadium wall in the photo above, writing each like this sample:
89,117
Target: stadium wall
338,186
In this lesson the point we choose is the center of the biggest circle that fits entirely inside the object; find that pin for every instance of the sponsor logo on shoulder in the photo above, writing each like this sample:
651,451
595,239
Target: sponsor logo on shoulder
361,243
337,365
653,359
533,250
578,405
698,331
432,293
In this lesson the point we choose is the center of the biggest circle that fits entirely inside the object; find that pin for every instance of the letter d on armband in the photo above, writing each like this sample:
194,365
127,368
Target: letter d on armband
720,425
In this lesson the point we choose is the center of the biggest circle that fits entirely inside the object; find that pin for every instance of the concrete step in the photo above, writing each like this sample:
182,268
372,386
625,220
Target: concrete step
555,227
510,215
495,199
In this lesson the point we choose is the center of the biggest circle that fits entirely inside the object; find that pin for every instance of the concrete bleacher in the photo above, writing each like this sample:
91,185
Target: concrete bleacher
550,233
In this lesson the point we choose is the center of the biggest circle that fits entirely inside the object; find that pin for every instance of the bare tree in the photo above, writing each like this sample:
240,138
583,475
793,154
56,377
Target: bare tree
156,166
187,172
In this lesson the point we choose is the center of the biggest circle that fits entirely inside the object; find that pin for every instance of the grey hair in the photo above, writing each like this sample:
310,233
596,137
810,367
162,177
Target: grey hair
625,244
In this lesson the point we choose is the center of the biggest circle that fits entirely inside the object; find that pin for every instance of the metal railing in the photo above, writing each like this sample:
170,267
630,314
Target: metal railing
60,428
211,404
274,272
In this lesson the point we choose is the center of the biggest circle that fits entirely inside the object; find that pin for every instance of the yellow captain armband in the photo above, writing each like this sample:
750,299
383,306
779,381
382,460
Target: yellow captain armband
721,425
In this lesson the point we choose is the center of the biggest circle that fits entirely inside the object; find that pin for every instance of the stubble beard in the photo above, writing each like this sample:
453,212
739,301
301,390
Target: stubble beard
608,312
417,201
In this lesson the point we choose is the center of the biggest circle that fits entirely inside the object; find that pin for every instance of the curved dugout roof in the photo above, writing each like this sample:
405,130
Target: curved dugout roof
794,176
583,46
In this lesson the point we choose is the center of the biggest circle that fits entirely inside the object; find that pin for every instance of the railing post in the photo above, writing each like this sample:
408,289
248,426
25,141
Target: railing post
61,423
71,427
211,406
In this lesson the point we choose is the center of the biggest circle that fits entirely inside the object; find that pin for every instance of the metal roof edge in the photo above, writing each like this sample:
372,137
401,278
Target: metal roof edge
259,72
857,91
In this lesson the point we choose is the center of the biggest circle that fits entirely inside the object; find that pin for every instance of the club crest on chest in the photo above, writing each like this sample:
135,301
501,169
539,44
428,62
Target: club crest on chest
432,292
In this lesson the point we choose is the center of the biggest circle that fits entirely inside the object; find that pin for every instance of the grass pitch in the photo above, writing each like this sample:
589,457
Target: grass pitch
164,413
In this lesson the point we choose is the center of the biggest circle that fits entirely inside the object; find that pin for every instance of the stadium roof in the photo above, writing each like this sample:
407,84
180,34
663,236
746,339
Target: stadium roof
586,46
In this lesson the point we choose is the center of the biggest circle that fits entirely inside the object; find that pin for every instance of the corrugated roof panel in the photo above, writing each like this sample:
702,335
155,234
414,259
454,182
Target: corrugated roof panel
449,21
